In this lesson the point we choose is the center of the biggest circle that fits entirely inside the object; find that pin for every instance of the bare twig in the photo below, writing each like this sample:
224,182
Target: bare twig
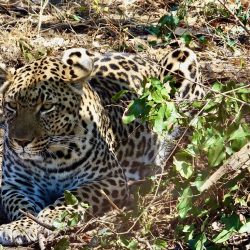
236,162
110,201
41,241
42,7
137,182
237,18
43,224
145,242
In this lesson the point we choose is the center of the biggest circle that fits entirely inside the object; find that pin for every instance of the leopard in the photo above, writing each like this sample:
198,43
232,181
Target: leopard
63,131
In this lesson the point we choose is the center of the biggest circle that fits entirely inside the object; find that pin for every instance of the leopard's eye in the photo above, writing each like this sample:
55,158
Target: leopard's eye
47,107
11,106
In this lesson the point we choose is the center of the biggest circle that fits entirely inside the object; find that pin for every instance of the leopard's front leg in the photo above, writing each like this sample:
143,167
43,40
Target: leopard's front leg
24,230
115,188
13,199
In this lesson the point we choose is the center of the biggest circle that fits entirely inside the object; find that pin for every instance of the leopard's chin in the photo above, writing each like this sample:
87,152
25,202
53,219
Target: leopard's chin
30,157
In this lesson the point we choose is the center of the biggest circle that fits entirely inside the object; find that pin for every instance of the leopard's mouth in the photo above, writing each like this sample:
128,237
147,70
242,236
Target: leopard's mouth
32,157
35,152
25,154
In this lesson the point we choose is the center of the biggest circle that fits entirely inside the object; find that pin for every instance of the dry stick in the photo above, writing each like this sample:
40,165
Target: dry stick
32,217
237,18
145,241
234,90
111,202
41,241
237,161
42,7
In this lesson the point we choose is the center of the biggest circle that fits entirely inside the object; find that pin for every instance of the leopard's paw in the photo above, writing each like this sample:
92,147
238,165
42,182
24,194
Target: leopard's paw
21,232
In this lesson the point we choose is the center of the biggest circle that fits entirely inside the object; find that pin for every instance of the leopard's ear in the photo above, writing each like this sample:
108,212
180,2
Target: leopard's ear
78,66
6,75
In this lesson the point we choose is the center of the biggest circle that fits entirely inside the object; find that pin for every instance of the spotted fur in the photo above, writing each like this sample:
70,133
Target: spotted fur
63,131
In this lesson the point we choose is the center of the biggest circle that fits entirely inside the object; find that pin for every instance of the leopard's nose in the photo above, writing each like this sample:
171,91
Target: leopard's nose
23,143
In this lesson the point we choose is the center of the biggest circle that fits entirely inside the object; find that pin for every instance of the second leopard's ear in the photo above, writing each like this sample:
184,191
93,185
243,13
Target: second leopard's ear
78,66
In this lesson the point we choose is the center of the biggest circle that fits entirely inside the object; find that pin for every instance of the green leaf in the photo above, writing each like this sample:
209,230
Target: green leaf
59,224
154,30
160,244
211,136
168,78
239,134
245,228
70,198
197,104
199,181
185,202
159,122
239,137
155,82
170,21
133,245
202,39
157,96
211,105
200,241
137,108
217,87
84,205
186,38
126,119
231,43
223,236
171,111
243,91
62,244
158,125
129,244
216,153
63,215
189,230
76,18
231,222
74,219
119,94
183,167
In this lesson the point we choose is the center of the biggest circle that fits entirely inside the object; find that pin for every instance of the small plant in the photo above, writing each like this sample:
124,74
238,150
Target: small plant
29,53
68,218
165,27
241,13
214,10
97,6
219,132
154,106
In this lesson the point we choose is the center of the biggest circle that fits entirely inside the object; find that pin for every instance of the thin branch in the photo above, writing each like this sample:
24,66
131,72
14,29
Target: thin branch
35,219
236,17
42,8
237,161
111,202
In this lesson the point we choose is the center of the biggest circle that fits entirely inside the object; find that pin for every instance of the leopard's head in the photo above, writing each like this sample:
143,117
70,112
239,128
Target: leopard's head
41,101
